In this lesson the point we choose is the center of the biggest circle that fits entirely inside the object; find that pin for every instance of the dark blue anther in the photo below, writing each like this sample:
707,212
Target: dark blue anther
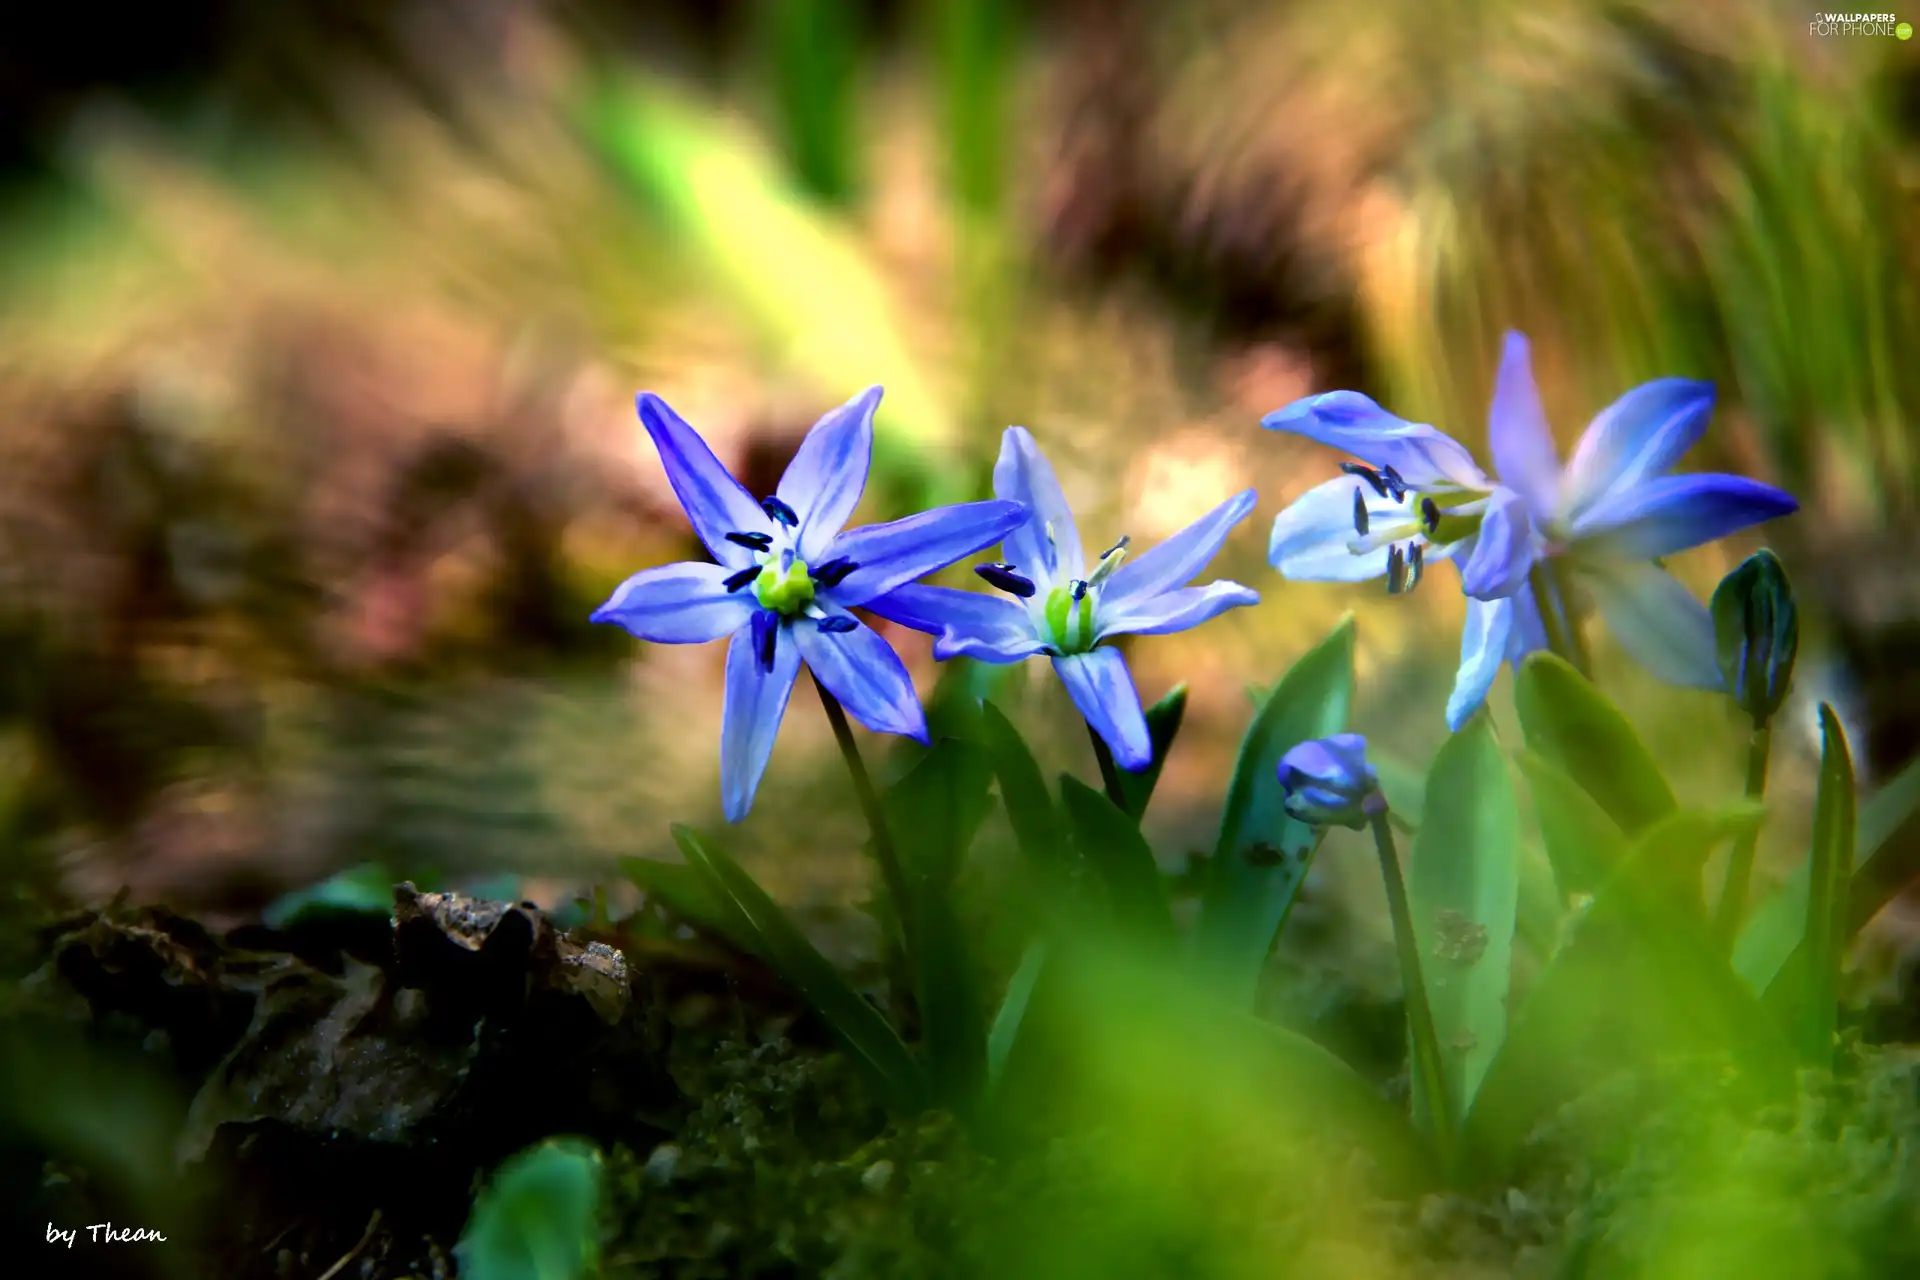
735,581
1078,588
766,629
1430,515
1395,484
1368,474
834,572
1118,546
752,541
837,624
1360,511
779,512
1002,575
1396,570
1416,564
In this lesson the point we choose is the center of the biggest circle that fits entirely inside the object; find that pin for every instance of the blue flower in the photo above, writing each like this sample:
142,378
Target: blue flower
1329,783
1061,609
1606,519
785,579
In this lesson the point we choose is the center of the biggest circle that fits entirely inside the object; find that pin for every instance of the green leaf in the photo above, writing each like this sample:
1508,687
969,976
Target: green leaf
937,808
1463,886
1573,726
934,813
1829,861
953,709
865,1035
1023,790
1013,1012
1257,859
687,893
365,889
537,1218
1583,843
1886,858
1120,859
1163,725
1639,981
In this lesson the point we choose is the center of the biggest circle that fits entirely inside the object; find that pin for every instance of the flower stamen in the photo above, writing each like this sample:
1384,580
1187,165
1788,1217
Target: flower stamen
779,512
735,581
766,631
834,572
1003,576
1360,511
752,541
838,624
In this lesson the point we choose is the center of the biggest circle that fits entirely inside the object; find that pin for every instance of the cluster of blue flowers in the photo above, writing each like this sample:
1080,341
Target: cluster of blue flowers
1536,544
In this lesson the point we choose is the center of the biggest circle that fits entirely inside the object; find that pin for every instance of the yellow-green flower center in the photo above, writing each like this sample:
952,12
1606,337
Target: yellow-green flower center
786,593
1069,622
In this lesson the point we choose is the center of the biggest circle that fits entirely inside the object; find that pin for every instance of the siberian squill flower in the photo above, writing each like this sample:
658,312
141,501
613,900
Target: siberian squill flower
1055,605
1328,782
785,579
1604,521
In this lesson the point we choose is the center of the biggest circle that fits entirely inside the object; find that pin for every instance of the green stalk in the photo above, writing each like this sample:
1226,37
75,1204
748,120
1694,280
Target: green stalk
1563,633
1425,1038
883,851
1733,897
1109,772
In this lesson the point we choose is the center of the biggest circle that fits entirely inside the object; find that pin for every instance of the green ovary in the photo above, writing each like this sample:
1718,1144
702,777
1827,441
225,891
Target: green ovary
1069,621
784,593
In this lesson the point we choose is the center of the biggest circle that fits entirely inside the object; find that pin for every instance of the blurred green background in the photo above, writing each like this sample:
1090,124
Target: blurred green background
320,327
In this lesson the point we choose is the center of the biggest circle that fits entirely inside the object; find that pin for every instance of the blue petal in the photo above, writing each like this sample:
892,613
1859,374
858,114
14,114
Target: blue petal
756,702
1641,435
893,554
1173,610
864,672
1175,562
715,503
1023,475
1309,540
683,603
1483,646
1350,421
970,624
1670,514
1102,688
1339,760
824,481
1529,631
1503,550
1518,435
1657,621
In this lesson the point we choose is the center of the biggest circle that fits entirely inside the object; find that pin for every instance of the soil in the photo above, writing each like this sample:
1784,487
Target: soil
325,1101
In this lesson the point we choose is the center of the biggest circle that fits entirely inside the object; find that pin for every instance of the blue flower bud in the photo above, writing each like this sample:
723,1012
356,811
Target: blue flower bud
1328,782
1756,632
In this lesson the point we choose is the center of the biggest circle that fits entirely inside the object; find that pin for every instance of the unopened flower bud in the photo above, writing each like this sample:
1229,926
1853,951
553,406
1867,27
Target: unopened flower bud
1330,784
1756,631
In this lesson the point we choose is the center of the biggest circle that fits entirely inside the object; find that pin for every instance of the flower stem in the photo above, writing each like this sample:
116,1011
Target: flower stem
1733,896
883,851
1109,772
1427,1065
1563,630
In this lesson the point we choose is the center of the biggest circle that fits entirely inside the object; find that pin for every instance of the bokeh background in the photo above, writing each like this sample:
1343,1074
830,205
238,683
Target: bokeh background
320,327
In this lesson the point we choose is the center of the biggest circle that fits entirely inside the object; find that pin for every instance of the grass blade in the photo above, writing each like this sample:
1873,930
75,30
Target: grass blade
1828,864
856,1024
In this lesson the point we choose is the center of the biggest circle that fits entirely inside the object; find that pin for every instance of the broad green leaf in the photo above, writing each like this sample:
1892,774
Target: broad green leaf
686,892
1582,842
1639,981
1254,876
1119,857
933,814
1573,726
1029,804
1403,783
935,811
1886,858
1163,725
1463,886
365,889
1013,1012
953,709
538,1218
865,1035
1829,860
